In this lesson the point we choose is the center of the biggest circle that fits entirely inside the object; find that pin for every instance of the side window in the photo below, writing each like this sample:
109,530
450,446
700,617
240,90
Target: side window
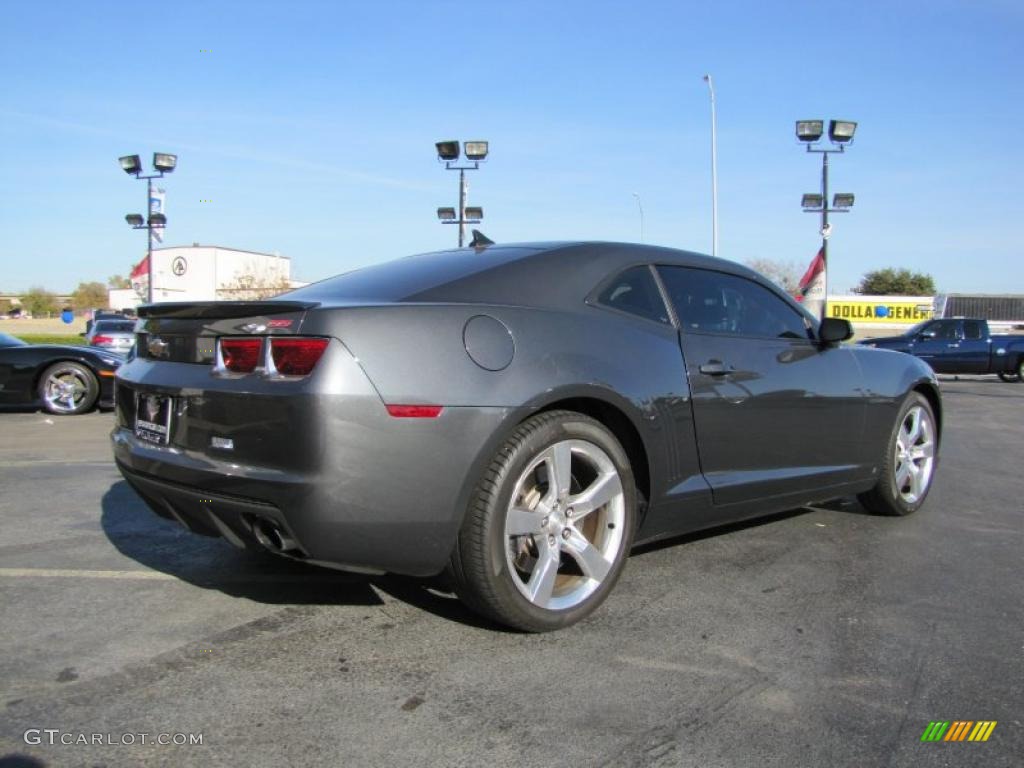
634,291
945,330
972,329
714,302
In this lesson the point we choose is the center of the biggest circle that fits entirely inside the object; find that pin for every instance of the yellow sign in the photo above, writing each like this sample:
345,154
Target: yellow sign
880,311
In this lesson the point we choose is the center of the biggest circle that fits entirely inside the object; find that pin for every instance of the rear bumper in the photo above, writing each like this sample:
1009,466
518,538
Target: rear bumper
349,485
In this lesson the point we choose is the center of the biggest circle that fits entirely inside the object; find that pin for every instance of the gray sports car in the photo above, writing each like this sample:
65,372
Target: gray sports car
519,416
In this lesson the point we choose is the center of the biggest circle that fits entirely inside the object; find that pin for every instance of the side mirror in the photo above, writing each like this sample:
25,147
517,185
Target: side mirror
834,330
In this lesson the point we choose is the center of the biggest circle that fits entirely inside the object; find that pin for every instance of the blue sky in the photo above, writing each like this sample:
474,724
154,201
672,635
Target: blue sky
310,126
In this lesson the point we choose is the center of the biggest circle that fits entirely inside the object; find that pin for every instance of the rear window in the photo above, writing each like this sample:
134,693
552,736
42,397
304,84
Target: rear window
405,279
115,326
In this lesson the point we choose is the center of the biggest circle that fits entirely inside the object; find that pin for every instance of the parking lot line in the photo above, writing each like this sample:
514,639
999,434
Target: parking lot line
84,574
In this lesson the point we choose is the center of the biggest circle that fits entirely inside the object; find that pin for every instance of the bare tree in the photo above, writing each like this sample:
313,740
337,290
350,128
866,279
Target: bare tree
248,286
785,274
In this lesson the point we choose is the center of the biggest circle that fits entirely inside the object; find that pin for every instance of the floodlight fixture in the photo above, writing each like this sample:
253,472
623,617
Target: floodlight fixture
475,150
474,214
446,214
841,131
842,200
812,201
157,220
134,219
164,162
809,130
130,164
447,150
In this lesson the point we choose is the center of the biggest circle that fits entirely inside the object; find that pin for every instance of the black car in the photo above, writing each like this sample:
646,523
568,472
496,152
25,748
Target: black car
63,379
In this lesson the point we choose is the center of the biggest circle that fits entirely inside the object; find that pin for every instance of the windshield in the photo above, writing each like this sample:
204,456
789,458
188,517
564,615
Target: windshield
916,329
6,340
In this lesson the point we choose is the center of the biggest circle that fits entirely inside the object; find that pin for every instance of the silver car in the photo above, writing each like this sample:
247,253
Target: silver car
116,335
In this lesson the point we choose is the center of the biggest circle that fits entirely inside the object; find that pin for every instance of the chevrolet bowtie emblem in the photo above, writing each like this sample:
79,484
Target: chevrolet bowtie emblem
157,347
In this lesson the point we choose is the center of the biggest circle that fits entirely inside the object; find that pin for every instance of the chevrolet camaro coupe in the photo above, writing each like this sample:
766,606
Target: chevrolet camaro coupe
517,416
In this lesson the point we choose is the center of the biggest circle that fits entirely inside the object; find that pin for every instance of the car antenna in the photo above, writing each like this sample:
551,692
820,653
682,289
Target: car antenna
480,240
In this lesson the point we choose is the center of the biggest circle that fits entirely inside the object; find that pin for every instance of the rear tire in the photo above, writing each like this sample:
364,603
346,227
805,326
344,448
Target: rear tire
908,465
1009,378
67,389
549,526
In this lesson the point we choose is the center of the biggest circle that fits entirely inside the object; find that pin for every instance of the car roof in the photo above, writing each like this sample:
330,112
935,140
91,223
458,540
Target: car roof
533,274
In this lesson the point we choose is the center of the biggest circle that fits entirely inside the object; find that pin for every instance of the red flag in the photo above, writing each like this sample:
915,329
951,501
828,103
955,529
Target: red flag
140,279
812,285
817,268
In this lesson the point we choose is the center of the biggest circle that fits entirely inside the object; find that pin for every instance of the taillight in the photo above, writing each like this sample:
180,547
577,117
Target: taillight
241,355
296,356
102,339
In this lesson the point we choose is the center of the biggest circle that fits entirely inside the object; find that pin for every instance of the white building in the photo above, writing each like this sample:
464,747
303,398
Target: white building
212,273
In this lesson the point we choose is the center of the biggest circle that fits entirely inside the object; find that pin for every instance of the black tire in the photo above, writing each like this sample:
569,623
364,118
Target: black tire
902,493
1009,378
488,565
67,389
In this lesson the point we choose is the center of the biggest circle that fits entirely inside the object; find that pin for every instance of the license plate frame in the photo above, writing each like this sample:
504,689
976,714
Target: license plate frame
153,418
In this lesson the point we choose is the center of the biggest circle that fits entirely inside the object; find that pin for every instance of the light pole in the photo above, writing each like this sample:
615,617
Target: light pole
714,168
641,209
448,153
132,165
840,134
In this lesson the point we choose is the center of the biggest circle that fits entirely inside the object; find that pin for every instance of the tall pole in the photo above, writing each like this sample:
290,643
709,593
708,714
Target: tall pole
462,206
714,168
149,238
824,229
638,205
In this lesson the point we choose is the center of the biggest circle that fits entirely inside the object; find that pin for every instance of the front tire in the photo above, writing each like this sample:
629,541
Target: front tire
549,525
67,388
908,465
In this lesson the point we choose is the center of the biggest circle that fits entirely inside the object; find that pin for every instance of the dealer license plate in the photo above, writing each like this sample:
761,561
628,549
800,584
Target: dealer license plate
153,418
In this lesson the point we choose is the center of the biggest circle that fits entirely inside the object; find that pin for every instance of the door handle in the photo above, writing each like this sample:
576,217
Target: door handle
715,368
953,346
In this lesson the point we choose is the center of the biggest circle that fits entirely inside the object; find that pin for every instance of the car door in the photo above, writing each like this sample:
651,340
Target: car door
975,348
775,412
938,344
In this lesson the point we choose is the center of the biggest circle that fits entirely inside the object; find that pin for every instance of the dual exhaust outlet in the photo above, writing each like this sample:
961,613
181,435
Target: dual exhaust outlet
271,536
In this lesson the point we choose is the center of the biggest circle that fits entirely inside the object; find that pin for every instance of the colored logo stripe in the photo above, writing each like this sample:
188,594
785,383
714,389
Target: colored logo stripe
982,730
958,730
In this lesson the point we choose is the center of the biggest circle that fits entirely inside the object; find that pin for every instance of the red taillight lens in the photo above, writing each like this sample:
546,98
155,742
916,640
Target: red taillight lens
102,339
415,411
241,355
296,356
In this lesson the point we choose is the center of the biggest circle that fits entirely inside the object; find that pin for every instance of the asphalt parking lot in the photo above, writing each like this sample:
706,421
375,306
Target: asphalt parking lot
820,637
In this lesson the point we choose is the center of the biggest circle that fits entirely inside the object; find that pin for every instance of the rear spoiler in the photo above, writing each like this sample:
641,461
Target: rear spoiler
223,310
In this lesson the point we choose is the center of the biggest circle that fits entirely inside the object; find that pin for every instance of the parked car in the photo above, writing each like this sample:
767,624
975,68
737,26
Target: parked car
63,379
118,335
518,416
960,345
94,315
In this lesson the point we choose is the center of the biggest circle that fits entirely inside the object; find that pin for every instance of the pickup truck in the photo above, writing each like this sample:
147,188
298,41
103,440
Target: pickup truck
960,345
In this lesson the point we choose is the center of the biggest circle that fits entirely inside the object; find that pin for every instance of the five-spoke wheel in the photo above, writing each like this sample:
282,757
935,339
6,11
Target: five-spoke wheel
550,525
68,388
909,461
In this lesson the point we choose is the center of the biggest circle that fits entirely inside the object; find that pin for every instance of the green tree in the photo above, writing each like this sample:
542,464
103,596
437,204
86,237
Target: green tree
88,295
39,301
896,282
118,281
